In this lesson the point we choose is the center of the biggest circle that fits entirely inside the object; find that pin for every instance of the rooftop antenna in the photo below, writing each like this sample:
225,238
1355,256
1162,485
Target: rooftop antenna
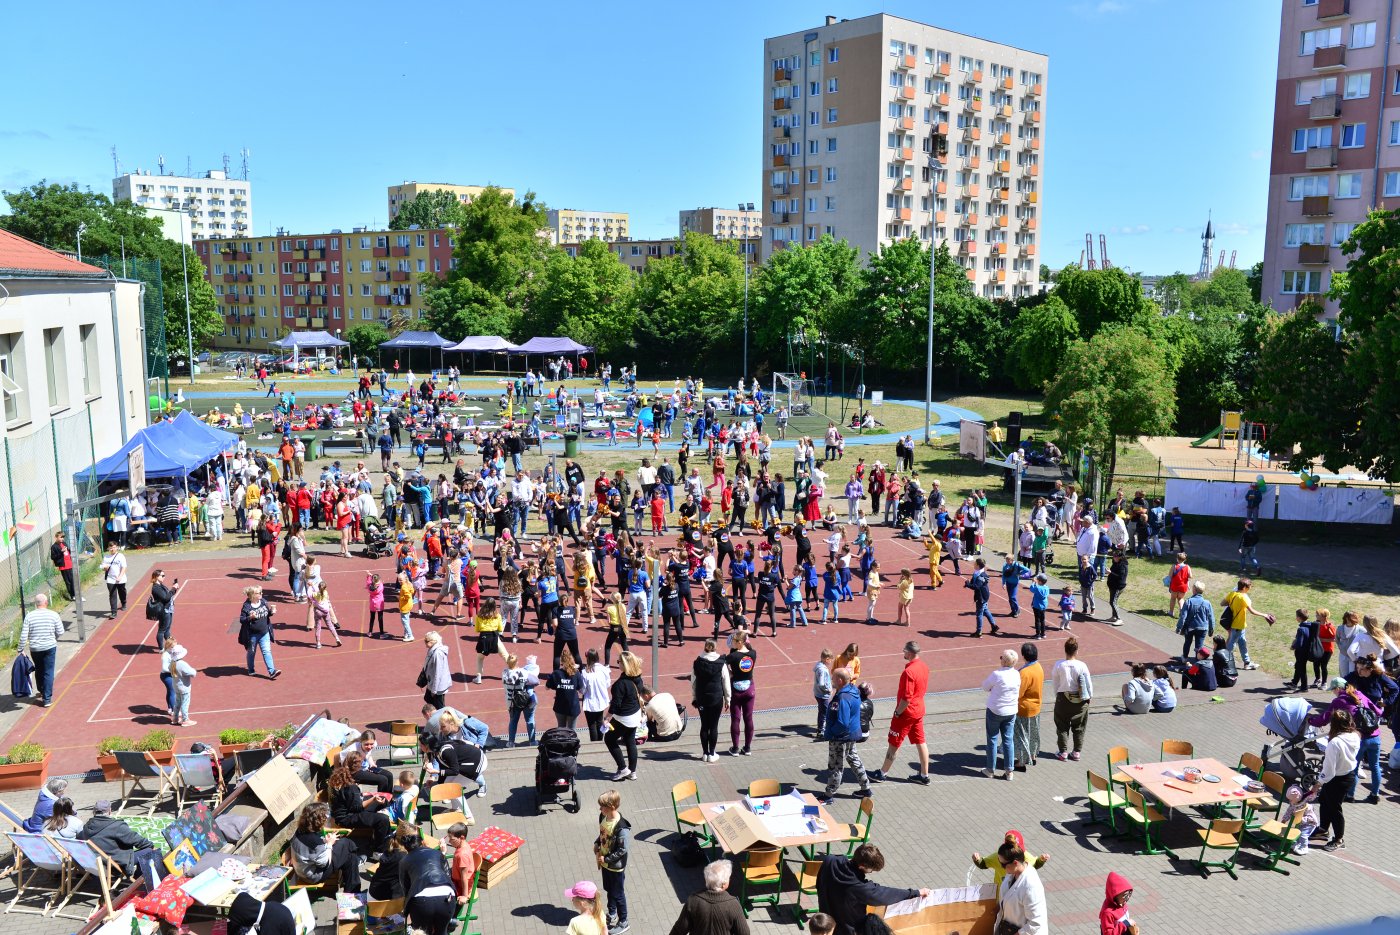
245,153
226,165
116,163
189,168
160,162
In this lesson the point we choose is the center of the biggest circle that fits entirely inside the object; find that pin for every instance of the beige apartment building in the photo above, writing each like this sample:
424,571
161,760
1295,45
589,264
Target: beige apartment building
400,195
723,223
880,128
636,254
570,225
1336,145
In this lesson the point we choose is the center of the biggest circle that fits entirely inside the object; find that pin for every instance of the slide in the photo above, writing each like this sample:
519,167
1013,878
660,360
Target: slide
1209,436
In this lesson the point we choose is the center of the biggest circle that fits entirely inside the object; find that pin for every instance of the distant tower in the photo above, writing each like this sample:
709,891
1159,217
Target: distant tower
1207,240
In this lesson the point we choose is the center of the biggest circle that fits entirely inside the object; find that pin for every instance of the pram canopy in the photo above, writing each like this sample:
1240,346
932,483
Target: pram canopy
1287,717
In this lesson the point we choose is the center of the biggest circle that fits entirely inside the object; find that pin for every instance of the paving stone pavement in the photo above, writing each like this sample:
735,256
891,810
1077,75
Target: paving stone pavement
928,833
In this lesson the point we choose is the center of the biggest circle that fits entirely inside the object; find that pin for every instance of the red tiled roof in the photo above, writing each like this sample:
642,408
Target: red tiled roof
18,255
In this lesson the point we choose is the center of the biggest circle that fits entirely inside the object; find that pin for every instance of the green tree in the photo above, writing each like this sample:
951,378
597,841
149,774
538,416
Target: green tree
1305,393
1102,297
1046,274
500,260
800,290
50,214
689,305
1175,293
429,210
1110,389
1040,336
1370,318
1226,289
589,297
1213,360
365,339
1255,278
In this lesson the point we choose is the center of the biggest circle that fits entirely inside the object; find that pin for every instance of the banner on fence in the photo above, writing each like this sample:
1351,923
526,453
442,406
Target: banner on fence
1208,498
1336,505
972,440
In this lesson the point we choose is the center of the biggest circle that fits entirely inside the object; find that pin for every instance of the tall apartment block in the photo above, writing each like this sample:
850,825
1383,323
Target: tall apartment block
569,225
267,286
215,205
723,223
400,195
1336,146
879,129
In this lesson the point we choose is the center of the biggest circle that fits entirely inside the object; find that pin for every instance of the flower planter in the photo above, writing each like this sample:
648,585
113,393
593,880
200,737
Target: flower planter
229,749
112,772
15,776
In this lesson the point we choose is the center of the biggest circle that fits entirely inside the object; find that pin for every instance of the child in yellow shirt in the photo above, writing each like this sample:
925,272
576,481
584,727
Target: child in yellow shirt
406,593
906,596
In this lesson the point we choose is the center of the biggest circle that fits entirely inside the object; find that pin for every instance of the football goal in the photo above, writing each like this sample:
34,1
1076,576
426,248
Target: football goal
794,391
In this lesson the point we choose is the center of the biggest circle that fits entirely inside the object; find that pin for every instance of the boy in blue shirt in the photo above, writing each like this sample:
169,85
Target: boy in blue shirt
1011,573
1040,601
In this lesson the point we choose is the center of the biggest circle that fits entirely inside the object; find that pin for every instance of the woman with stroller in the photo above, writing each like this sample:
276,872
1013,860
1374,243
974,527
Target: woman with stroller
1338,764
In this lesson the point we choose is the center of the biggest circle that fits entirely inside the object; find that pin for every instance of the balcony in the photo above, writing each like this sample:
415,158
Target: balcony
973,162
398,251
382,299
381,251
941,188
972,133
971,275
302,299
904,154
906,93
1004,166
1003,220
318,323
1004,139
1317,206
1006,84
941,128
782,74
1308,299
779,160
941,98
998,249
301,277
967,246
1325,107
1033,143
906,62
1030,170
1030,197
780,103
972,105
971,220
1330,58
1004,110
318,300
318,277
1001,194
904,185
1321,157
906,123
1028,223
944,69
1329,9
1035,90
999,275
940,217
903,214
782,133
972,190
1314,253
399,275
381,276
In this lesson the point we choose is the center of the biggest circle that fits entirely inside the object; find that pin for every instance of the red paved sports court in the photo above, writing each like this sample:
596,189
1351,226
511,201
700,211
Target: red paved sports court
113,687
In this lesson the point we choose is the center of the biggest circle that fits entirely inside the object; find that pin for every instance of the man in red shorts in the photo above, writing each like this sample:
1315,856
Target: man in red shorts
908,720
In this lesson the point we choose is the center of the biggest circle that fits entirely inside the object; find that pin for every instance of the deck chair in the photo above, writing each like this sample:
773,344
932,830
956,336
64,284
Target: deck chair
136,768
10,820
1222,835
466,913
403,736
689,817
293,881
197,771
95,865
249,761
37,856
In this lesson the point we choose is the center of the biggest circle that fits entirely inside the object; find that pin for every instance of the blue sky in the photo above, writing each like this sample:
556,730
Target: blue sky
1157,111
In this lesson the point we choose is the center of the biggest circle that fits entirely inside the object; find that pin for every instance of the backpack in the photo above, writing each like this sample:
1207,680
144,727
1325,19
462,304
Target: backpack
154,609
518,695
1365,718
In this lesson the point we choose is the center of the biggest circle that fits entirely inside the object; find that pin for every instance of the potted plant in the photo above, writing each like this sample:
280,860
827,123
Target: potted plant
160,744
24,766
235,739
105,748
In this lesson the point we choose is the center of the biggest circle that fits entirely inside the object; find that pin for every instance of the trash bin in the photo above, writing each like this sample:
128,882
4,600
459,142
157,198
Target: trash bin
313,447
571,444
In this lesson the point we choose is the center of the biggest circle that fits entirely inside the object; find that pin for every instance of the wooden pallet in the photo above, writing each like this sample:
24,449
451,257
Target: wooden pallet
494,871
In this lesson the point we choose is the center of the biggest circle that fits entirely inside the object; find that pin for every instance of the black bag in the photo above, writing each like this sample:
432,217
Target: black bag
518,696
423,677
689,853
244,637
154,609
287,550
1227,617
1315,651
1365,718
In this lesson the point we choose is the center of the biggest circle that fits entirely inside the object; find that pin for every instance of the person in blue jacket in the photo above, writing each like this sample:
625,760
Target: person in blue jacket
842,733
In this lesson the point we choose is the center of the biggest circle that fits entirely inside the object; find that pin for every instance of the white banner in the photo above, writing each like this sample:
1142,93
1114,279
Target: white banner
1336,505
1211,498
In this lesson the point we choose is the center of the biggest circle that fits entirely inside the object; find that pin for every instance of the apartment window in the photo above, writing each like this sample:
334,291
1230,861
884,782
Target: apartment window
814,88
92,375
1305,186
814,118
1311,138
833,54
1358,85
12,379
831,115
421,240
1395,133
56,368
1296,234
1314,39
831,144
1341,231
1353,135
813,176
1309,2
1363,35
1302,281
831,173
832,85
1392,184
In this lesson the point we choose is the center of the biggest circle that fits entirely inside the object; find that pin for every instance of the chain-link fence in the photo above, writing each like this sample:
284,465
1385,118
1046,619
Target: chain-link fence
39,471
147,271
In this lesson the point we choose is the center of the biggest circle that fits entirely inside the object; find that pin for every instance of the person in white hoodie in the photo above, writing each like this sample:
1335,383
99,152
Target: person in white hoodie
1021,897
1334,782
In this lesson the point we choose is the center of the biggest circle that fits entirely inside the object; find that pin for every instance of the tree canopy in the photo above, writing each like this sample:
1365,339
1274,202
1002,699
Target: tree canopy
429,210
590,297
690,304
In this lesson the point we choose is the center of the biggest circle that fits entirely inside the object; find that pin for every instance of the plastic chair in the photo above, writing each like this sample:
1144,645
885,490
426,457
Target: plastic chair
403,735
445,792
1177,748
136,767
690,817
1101,795
197,771
762,787
1278,840
1118,756
806,886
1143,814
1224,834
761,867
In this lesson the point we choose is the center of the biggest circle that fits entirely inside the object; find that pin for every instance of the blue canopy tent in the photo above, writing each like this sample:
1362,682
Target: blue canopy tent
172,450
484,343
409,341
299,341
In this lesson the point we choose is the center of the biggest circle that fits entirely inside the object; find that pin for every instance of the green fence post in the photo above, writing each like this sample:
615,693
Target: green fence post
10,481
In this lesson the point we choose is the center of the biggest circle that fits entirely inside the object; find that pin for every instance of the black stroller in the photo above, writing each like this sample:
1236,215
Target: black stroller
556,766
376,537
1298,752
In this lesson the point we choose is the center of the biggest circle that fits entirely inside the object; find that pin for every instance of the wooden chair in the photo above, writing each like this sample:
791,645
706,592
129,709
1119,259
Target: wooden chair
95,865
1278,840
1118,756
249,761
765,787
1266,805
761,867
1177,748
385,909
1101,795
445,792
466,913
197,771
1224,834
689,817
38,856
806,886
137,767
1144,814
403,735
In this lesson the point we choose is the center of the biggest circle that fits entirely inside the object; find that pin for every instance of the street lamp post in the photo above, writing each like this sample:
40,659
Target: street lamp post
81,227
744,248
932,263
184,269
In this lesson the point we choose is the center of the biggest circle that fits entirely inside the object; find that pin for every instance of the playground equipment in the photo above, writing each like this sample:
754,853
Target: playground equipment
1227,430
793,390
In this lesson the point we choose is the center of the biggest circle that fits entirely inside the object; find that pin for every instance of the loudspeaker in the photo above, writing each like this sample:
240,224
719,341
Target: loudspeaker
1014,418
1013,434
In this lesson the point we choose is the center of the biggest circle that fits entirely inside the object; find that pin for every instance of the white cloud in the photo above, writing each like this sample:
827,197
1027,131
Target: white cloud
1129,230
1256,154
1101,8
1233,229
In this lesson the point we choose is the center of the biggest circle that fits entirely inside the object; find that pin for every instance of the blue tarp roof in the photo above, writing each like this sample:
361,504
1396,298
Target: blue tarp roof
309,340
172,449
418,339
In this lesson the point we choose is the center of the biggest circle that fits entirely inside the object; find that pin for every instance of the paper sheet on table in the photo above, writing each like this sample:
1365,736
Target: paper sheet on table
1242,781
952,894
786,826
778,805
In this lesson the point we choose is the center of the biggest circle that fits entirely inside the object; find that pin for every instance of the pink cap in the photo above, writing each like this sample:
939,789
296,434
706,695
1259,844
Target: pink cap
583,889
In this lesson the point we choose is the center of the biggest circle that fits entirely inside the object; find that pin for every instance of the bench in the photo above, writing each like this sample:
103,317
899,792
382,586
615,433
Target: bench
339,443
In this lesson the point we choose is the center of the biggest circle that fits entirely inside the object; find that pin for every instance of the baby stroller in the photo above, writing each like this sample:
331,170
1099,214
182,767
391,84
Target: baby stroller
556,766
376,537
1298,752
